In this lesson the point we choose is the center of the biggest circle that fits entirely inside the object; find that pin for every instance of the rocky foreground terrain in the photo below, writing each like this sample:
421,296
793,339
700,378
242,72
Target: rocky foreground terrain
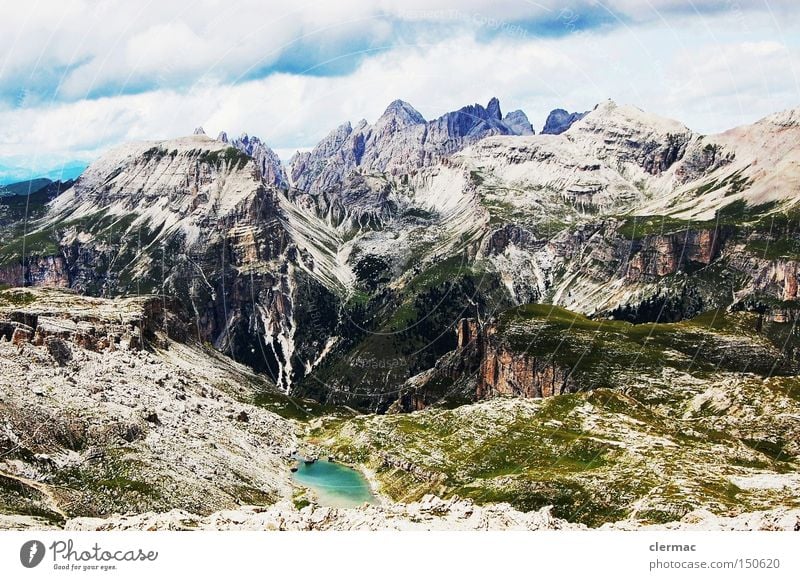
111,407
431,513
104,406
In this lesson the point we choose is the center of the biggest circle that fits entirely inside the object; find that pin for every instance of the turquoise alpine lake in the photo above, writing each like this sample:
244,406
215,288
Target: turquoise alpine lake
334,484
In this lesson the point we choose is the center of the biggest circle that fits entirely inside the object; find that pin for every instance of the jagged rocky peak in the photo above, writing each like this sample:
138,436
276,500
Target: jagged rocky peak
333,141
223,136
199,131
560,120
317,169
493,108
267,161
399,142
476,118
518,122
403,113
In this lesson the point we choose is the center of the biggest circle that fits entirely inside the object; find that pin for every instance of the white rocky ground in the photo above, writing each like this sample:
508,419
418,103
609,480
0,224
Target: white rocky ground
122,428
432,513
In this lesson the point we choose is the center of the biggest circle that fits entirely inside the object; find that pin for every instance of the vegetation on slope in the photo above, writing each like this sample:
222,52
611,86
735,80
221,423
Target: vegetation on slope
602,353
597,457
679,416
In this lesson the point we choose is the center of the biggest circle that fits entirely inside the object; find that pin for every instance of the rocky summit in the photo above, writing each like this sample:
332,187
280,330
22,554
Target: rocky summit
560,120
594,326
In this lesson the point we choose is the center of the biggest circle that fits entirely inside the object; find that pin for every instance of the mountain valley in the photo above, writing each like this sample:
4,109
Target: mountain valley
600,318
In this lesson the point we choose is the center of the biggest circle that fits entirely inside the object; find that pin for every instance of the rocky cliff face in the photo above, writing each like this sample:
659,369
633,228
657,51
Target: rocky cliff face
192,218
559,121
399,142
267,161
37,271
659,255
502,370
506,373
93,324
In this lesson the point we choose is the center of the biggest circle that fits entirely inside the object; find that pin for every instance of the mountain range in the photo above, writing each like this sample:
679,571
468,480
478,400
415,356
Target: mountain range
382,237
619,274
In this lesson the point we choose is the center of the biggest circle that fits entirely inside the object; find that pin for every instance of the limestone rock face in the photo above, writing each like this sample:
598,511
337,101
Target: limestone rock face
518,121
559,121
38,270
399,142
503,372
267,161
192,218
658,256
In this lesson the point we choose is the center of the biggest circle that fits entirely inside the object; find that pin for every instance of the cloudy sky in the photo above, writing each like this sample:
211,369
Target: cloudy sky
79,76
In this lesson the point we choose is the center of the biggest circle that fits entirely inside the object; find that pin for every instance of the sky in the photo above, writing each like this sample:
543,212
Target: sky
78,77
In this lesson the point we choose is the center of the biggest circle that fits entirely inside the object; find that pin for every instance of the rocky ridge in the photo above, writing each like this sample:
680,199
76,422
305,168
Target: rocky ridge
559,121
400,141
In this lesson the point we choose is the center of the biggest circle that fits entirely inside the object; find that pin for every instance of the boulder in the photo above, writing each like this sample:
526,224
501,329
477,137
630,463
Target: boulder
58,349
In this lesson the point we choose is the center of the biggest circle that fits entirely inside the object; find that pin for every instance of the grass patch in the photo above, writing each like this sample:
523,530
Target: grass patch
229,157
17,297
294,408
737,215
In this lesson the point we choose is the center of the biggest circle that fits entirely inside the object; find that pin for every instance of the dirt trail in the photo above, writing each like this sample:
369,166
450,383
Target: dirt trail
44,489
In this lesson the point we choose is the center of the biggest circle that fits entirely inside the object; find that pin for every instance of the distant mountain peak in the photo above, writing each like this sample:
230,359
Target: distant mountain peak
609,112
401,140
493,108
267,161
518,121
199,131
559,120
403,111
223,136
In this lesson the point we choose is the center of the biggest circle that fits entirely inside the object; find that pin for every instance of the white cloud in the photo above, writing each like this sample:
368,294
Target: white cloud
709,72
117,45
